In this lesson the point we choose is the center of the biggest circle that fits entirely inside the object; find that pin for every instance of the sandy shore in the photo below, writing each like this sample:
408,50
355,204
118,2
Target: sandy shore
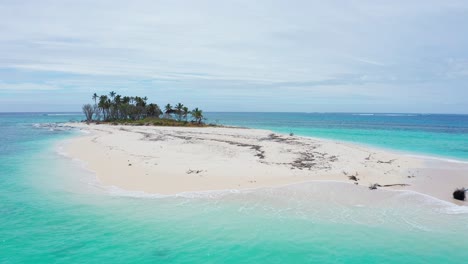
169,160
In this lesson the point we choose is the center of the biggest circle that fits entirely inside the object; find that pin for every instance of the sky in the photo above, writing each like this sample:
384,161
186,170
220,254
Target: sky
262,55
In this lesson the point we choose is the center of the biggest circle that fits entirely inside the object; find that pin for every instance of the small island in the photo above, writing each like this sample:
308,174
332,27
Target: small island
116,109
168,154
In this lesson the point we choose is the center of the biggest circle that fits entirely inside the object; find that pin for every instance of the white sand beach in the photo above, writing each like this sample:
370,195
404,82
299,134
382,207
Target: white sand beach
170,160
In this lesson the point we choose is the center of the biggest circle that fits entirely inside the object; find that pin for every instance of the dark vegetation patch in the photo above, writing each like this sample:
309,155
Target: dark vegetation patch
152,121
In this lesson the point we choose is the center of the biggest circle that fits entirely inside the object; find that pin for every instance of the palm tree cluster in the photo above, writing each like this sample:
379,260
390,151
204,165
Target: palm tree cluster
181,112
114,107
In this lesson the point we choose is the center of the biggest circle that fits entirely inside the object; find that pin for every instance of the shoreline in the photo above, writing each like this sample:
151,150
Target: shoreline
418,155
461,207
119,192
264,172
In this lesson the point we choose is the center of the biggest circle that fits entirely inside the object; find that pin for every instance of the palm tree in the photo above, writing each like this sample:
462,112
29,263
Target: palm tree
185,112
179,108
118,99
95,97
197,114
115,107
103,106
102,100
112,94
168,108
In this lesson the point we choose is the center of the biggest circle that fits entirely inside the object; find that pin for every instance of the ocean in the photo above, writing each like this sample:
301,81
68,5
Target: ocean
443,136
52,210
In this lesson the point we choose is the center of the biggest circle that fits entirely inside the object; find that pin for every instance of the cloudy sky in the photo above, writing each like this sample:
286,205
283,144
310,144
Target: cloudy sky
263,55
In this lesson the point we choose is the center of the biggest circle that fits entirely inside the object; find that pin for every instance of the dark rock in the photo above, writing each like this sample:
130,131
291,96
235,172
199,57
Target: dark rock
459,194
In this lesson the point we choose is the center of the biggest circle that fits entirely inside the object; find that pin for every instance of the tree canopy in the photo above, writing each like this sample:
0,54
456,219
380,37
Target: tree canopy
115,107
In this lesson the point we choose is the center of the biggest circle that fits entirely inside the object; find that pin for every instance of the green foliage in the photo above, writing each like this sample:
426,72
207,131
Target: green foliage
178,111
197,115
135,110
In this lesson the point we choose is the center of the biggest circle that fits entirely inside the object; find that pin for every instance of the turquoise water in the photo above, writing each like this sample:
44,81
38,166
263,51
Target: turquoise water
54,211
423,134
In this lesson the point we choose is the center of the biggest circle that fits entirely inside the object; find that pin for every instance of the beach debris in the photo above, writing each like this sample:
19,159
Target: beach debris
375,185
291,134
312,160
459,194
396,184
368,158
258,149
353,178
260,153
305,161
280,138
194,171
411,174
129,164
386,162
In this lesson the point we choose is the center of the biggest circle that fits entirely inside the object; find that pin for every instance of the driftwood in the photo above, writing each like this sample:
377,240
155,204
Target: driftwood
397,184
353,178
375,185
194,171
386,162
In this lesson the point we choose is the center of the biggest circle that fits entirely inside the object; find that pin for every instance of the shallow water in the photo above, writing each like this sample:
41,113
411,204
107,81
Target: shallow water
423,134
52,210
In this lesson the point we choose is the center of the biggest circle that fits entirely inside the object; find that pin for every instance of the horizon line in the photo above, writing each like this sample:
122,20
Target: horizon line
265,112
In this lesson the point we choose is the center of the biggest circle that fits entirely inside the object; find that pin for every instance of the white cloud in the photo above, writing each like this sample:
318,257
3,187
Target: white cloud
26,87
268,44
